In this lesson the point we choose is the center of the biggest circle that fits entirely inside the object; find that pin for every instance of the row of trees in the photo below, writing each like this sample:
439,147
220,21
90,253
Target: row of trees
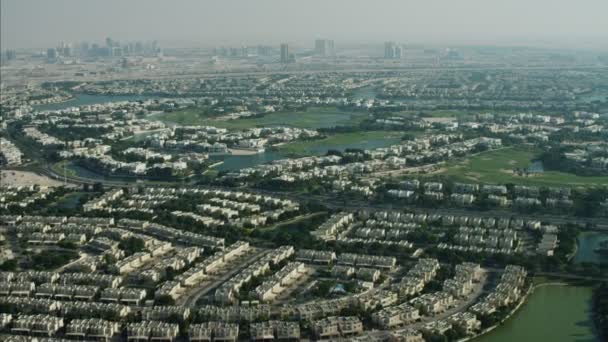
600,309
587,202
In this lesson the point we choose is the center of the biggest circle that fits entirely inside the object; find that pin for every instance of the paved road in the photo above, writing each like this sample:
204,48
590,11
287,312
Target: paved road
597,223
193,297
462,305
62,268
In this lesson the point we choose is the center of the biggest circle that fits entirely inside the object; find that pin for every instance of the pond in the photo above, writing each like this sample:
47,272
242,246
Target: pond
236,162
552,313
588,242
368,144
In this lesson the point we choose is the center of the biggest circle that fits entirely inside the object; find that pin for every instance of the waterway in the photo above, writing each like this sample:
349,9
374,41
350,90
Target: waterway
551,313
587,243
597,95
84,100
82,172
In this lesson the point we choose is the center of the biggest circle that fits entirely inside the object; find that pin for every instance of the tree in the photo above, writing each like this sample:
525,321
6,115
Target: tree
131,245
98,187
408,137
165,300
9,265
48,260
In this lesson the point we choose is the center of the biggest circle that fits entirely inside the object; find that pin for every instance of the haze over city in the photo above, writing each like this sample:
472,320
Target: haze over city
277,170
30,23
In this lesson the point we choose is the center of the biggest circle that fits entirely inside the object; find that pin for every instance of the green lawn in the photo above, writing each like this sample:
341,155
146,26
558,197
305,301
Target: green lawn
496,166
296,219
447,113
364,139
314,117
435,113
70,200
189,116
295,231
58,168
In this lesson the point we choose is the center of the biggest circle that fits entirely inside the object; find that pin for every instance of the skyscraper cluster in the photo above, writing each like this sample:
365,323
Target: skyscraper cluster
9,55
244,51
324,48
393,51
111,48
286,57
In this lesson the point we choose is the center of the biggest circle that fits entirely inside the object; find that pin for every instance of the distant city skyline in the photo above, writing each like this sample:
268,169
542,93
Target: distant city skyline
563,23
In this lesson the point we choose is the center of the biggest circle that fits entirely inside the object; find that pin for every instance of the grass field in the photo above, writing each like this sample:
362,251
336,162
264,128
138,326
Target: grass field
435,113
189,116
296,219
295,231
59,169
447,113
314,117
341,141
496,167
70,200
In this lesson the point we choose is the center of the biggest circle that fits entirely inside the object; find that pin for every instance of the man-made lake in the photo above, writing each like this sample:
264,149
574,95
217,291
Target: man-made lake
236,162
84,100
587,243
313,118
367,144
552,313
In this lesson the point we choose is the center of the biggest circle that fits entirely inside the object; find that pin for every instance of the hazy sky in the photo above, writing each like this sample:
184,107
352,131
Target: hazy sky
43,23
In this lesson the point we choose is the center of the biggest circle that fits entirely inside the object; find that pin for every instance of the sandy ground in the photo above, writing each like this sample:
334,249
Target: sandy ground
24,178
241,152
